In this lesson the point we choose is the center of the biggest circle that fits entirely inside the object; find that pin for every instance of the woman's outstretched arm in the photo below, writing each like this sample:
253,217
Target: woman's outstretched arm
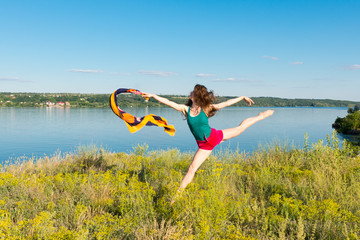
178,107
233,101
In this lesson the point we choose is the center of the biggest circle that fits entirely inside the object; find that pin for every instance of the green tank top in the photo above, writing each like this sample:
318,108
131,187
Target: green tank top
199,125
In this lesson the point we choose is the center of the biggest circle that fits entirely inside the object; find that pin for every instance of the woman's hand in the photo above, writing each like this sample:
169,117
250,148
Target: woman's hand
249,101
147,95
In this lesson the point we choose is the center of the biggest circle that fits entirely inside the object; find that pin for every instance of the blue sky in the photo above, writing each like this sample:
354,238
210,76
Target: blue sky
290,49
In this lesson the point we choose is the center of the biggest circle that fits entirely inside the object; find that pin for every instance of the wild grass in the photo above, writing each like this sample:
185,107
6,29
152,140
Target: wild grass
278,192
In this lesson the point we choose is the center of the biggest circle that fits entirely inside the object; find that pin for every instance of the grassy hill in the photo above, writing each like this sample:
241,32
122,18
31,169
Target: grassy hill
274,193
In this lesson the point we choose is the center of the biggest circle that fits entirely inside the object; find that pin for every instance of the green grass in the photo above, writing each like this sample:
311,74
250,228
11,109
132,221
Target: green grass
274,193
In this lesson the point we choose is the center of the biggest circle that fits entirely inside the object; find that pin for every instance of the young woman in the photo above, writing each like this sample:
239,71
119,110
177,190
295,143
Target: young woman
199,108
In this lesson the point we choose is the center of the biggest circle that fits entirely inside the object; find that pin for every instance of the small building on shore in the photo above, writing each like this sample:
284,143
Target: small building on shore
49,104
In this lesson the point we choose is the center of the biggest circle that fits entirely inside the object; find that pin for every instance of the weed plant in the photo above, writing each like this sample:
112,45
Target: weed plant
278,192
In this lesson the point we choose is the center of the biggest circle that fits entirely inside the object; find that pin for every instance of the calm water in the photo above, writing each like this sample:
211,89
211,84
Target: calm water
44,131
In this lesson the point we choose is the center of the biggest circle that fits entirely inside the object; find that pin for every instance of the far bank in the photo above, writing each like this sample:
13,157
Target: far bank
130,100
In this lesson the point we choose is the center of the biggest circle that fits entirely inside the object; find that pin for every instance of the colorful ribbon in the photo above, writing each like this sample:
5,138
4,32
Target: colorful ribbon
134,123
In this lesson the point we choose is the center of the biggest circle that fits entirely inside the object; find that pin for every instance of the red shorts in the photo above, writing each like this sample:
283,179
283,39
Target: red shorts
216,136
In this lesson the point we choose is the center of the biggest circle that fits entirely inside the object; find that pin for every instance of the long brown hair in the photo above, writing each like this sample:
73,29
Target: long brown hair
204,99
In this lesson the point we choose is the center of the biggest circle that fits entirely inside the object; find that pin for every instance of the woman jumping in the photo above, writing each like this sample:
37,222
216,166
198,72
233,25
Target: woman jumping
198,109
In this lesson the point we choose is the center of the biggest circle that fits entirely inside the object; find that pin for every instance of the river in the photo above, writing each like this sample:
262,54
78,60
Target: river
38,132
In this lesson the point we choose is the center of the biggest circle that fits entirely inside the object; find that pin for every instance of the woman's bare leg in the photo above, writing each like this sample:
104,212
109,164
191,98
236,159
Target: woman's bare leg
236,131
200,156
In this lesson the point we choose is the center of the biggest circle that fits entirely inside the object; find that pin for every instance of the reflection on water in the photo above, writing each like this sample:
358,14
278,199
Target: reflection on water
43,131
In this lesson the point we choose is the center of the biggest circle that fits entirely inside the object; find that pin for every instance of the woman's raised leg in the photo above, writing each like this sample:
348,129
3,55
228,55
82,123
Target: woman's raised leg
236,131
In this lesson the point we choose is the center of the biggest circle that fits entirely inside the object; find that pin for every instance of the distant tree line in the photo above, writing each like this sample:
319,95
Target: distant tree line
131,100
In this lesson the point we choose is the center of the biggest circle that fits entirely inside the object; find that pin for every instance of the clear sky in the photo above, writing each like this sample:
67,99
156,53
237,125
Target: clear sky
290,49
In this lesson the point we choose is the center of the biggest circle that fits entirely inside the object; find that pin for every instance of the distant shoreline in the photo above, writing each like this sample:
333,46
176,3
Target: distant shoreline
78,100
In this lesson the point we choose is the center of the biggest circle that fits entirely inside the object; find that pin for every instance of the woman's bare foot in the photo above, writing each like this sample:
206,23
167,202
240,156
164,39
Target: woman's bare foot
177,196
266,114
